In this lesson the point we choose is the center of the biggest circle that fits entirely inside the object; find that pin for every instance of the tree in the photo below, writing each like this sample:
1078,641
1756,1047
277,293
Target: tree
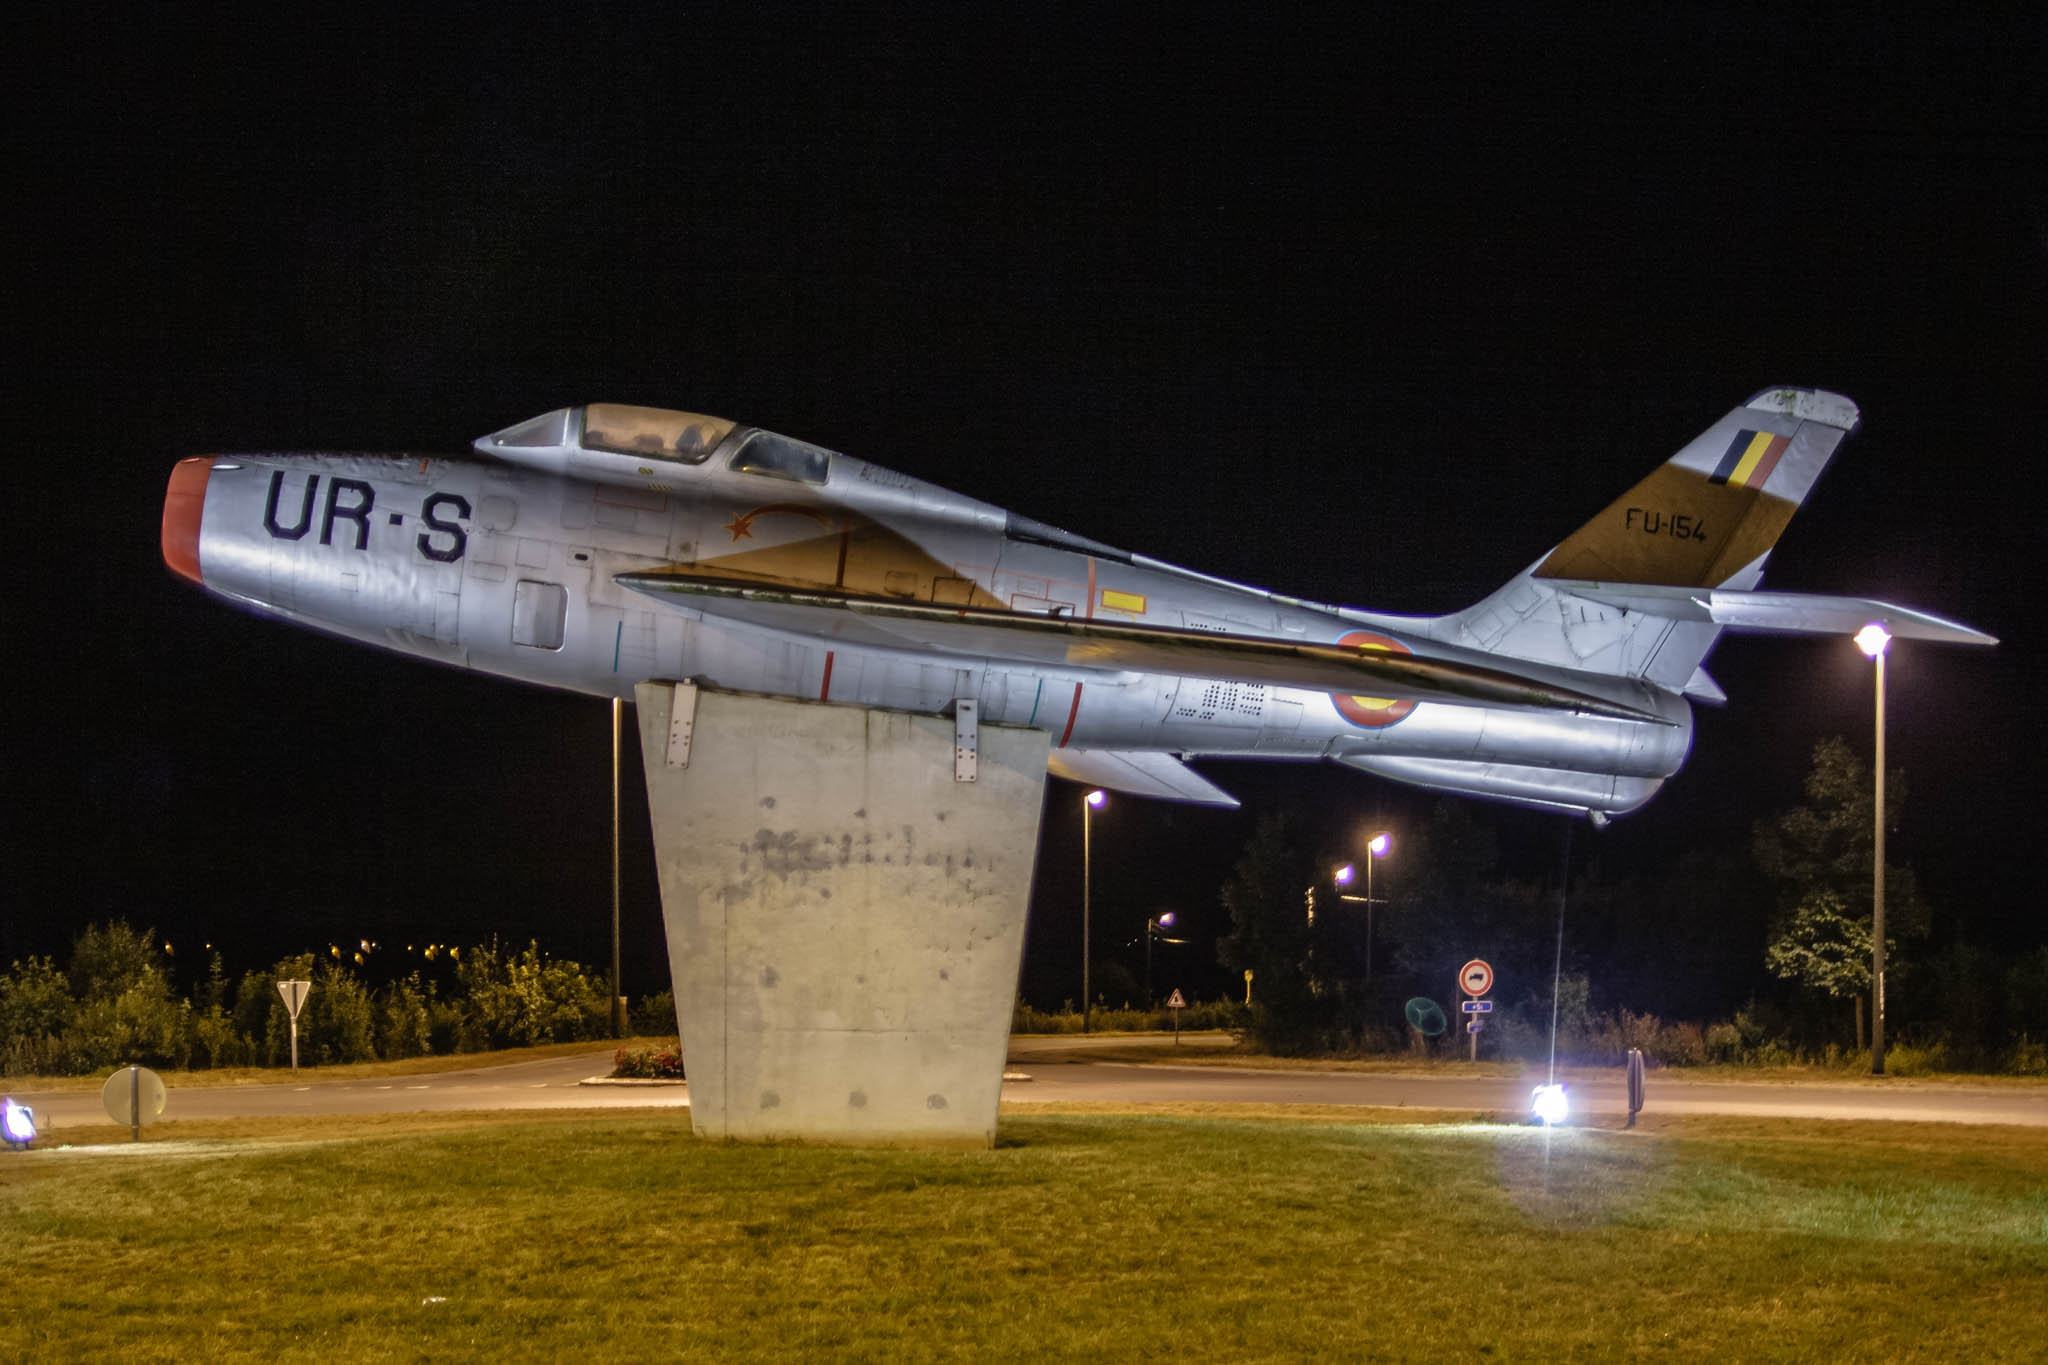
1819,855
1825,947
1270,936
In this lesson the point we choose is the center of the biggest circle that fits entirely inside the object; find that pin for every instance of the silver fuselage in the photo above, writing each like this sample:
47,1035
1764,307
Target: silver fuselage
510,570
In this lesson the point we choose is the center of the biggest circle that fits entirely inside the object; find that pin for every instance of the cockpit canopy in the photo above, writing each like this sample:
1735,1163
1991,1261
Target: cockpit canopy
623,443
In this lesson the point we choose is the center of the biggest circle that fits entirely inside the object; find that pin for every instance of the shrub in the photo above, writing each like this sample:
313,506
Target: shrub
528,999
34,998
649,1063
404,1024
654,1014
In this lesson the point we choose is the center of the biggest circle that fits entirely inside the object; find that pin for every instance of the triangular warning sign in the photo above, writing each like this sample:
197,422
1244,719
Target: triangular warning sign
1174,1002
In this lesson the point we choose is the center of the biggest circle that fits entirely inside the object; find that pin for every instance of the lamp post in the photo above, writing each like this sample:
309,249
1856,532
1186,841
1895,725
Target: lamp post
1092,802
1376,849
1872,640
1152,928
618,1016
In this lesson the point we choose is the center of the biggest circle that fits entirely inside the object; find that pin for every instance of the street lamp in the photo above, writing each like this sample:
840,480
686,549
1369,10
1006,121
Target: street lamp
1152,928
1377,848
1872,640
1091,803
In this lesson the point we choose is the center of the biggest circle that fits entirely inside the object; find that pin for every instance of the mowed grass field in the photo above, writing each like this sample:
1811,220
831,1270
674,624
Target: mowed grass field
1196,1234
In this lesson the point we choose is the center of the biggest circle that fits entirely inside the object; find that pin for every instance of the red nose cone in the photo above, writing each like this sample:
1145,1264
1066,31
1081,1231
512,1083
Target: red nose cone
184,501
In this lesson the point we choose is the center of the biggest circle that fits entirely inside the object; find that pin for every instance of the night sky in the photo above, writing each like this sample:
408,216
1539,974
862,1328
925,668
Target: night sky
1361,309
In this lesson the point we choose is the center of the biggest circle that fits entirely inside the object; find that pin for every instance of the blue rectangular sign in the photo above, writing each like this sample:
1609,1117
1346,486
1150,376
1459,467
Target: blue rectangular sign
1477,1007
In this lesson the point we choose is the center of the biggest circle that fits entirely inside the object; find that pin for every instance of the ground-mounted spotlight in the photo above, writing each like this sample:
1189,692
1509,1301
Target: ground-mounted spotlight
17,1124
1549,1104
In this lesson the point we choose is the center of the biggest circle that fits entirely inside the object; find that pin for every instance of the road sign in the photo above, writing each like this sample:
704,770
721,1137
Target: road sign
294,993
1174,1002
134,1095
1476,1006
1476,977
1474,1025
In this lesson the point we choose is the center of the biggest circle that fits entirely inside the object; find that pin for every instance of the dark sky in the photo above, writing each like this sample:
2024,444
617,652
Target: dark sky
1363,309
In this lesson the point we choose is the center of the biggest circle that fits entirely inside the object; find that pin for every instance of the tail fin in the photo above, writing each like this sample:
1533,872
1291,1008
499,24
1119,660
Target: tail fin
1693,534
1708,516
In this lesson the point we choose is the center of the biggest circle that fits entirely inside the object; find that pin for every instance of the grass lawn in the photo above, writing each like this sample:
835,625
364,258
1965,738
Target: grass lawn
1090,1234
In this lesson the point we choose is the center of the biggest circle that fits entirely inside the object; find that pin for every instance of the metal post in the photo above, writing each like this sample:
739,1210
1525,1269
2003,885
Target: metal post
135,1104
1087,835
618,1021
1151,929
1877,897
1370,859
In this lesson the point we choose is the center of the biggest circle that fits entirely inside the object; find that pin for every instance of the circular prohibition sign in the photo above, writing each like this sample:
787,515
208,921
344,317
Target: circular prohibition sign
1475,978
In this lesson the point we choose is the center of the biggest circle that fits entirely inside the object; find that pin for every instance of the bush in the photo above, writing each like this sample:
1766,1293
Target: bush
34,998
649,1063
404,1020
655,1014
528,999
1202,1014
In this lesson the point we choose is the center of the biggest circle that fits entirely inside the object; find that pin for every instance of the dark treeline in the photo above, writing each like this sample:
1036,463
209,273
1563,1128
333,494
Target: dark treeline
1759,952
115,1002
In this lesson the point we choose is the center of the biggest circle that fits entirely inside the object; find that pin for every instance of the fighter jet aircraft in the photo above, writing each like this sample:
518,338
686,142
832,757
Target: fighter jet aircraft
593,548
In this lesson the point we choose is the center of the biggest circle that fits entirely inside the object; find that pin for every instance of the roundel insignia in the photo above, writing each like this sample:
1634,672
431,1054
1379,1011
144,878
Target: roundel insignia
1373,713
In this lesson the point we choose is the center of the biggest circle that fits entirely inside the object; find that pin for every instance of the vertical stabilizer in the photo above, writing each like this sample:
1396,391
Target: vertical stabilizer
1705,518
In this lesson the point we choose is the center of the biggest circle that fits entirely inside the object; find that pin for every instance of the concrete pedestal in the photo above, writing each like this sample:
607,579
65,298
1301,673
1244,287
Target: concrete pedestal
845,919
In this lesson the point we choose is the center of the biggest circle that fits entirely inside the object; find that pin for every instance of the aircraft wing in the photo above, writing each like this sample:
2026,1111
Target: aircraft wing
1117,647
1791,613
1138,772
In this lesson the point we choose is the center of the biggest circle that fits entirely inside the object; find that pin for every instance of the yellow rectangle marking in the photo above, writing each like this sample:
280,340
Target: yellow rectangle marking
1746,466
1123,601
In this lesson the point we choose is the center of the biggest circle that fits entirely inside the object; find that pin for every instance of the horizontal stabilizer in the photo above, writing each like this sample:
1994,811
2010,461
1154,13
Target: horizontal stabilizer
1116,647
1793,613
1138,772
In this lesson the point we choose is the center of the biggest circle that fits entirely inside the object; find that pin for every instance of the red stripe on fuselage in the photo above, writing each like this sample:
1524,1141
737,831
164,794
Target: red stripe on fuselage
1072,712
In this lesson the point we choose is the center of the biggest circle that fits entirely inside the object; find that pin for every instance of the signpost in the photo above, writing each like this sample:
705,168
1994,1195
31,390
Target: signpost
294,993
1475,978
134,1095
1176,1004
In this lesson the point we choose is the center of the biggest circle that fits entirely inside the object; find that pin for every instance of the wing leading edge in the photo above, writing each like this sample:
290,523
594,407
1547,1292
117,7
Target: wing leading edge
1115,647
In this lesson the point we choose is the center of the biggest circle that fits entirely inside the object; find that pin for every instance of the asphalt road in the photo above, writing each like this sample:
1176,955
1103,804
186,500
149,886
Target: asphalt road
1055,1074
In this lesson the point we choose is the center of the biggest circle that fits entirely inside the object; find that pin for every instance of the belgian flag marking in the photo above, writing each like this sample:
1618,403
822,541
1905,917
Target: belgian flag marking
1749,460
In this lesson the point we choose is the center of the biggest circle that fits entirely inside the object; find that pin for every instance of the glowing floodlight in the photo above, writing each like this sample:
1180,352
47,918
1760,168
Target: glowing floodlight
17,1123
1549,1103
1379,845
1345,874
1166,920
1097,799
1872,639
